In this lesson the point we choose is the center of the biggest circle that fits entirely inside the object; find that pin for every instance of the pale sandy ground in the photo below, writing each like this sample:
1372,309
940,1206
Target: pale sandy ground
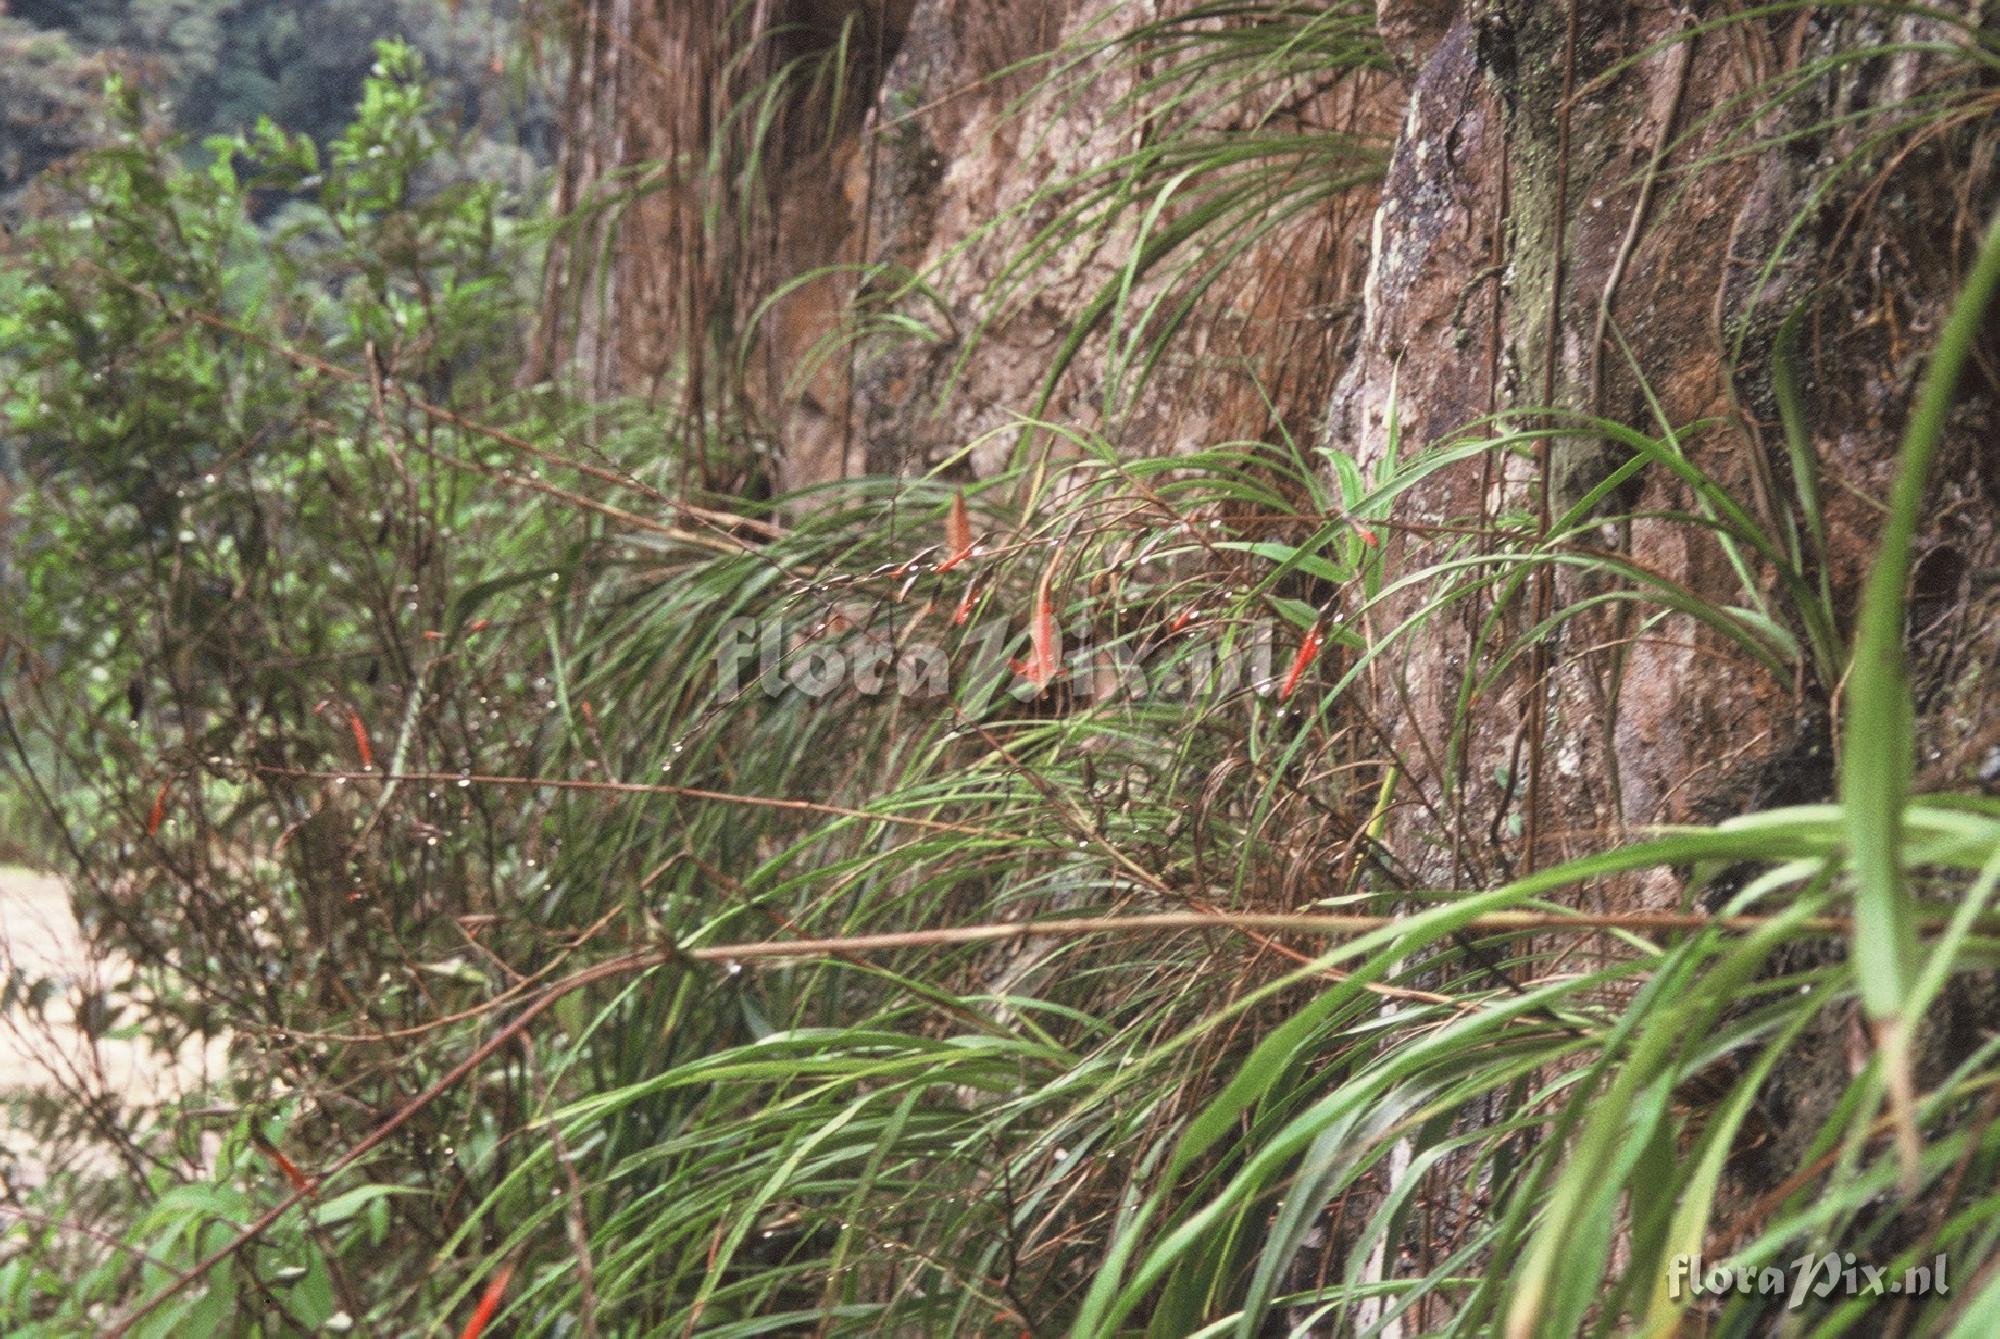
39,938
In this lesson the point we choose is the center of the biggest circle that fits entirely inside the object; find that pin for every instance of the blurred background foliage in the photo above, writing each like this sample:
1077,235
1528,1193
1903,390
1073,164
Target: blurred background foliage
216,66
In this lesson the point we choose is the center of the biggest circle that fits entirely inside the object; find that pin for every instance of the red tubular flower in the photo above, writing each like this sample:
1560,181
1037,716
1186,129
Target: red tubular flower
1308,652
489,1302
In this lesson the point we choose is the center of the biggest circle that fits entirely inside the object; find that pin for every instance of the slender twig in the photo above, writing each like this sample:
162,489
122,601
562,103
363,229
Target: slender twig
641,788
1327,926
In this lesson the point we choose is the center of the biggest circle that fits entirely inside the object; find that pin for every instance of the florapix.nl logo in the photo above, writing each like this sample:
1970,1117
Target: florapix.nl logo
871,656
1824,1274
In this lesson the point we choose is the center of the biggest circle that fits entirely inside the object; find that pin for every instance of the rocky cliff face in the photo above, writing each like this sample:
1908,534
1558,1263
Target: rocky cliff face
986,140
1569,194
